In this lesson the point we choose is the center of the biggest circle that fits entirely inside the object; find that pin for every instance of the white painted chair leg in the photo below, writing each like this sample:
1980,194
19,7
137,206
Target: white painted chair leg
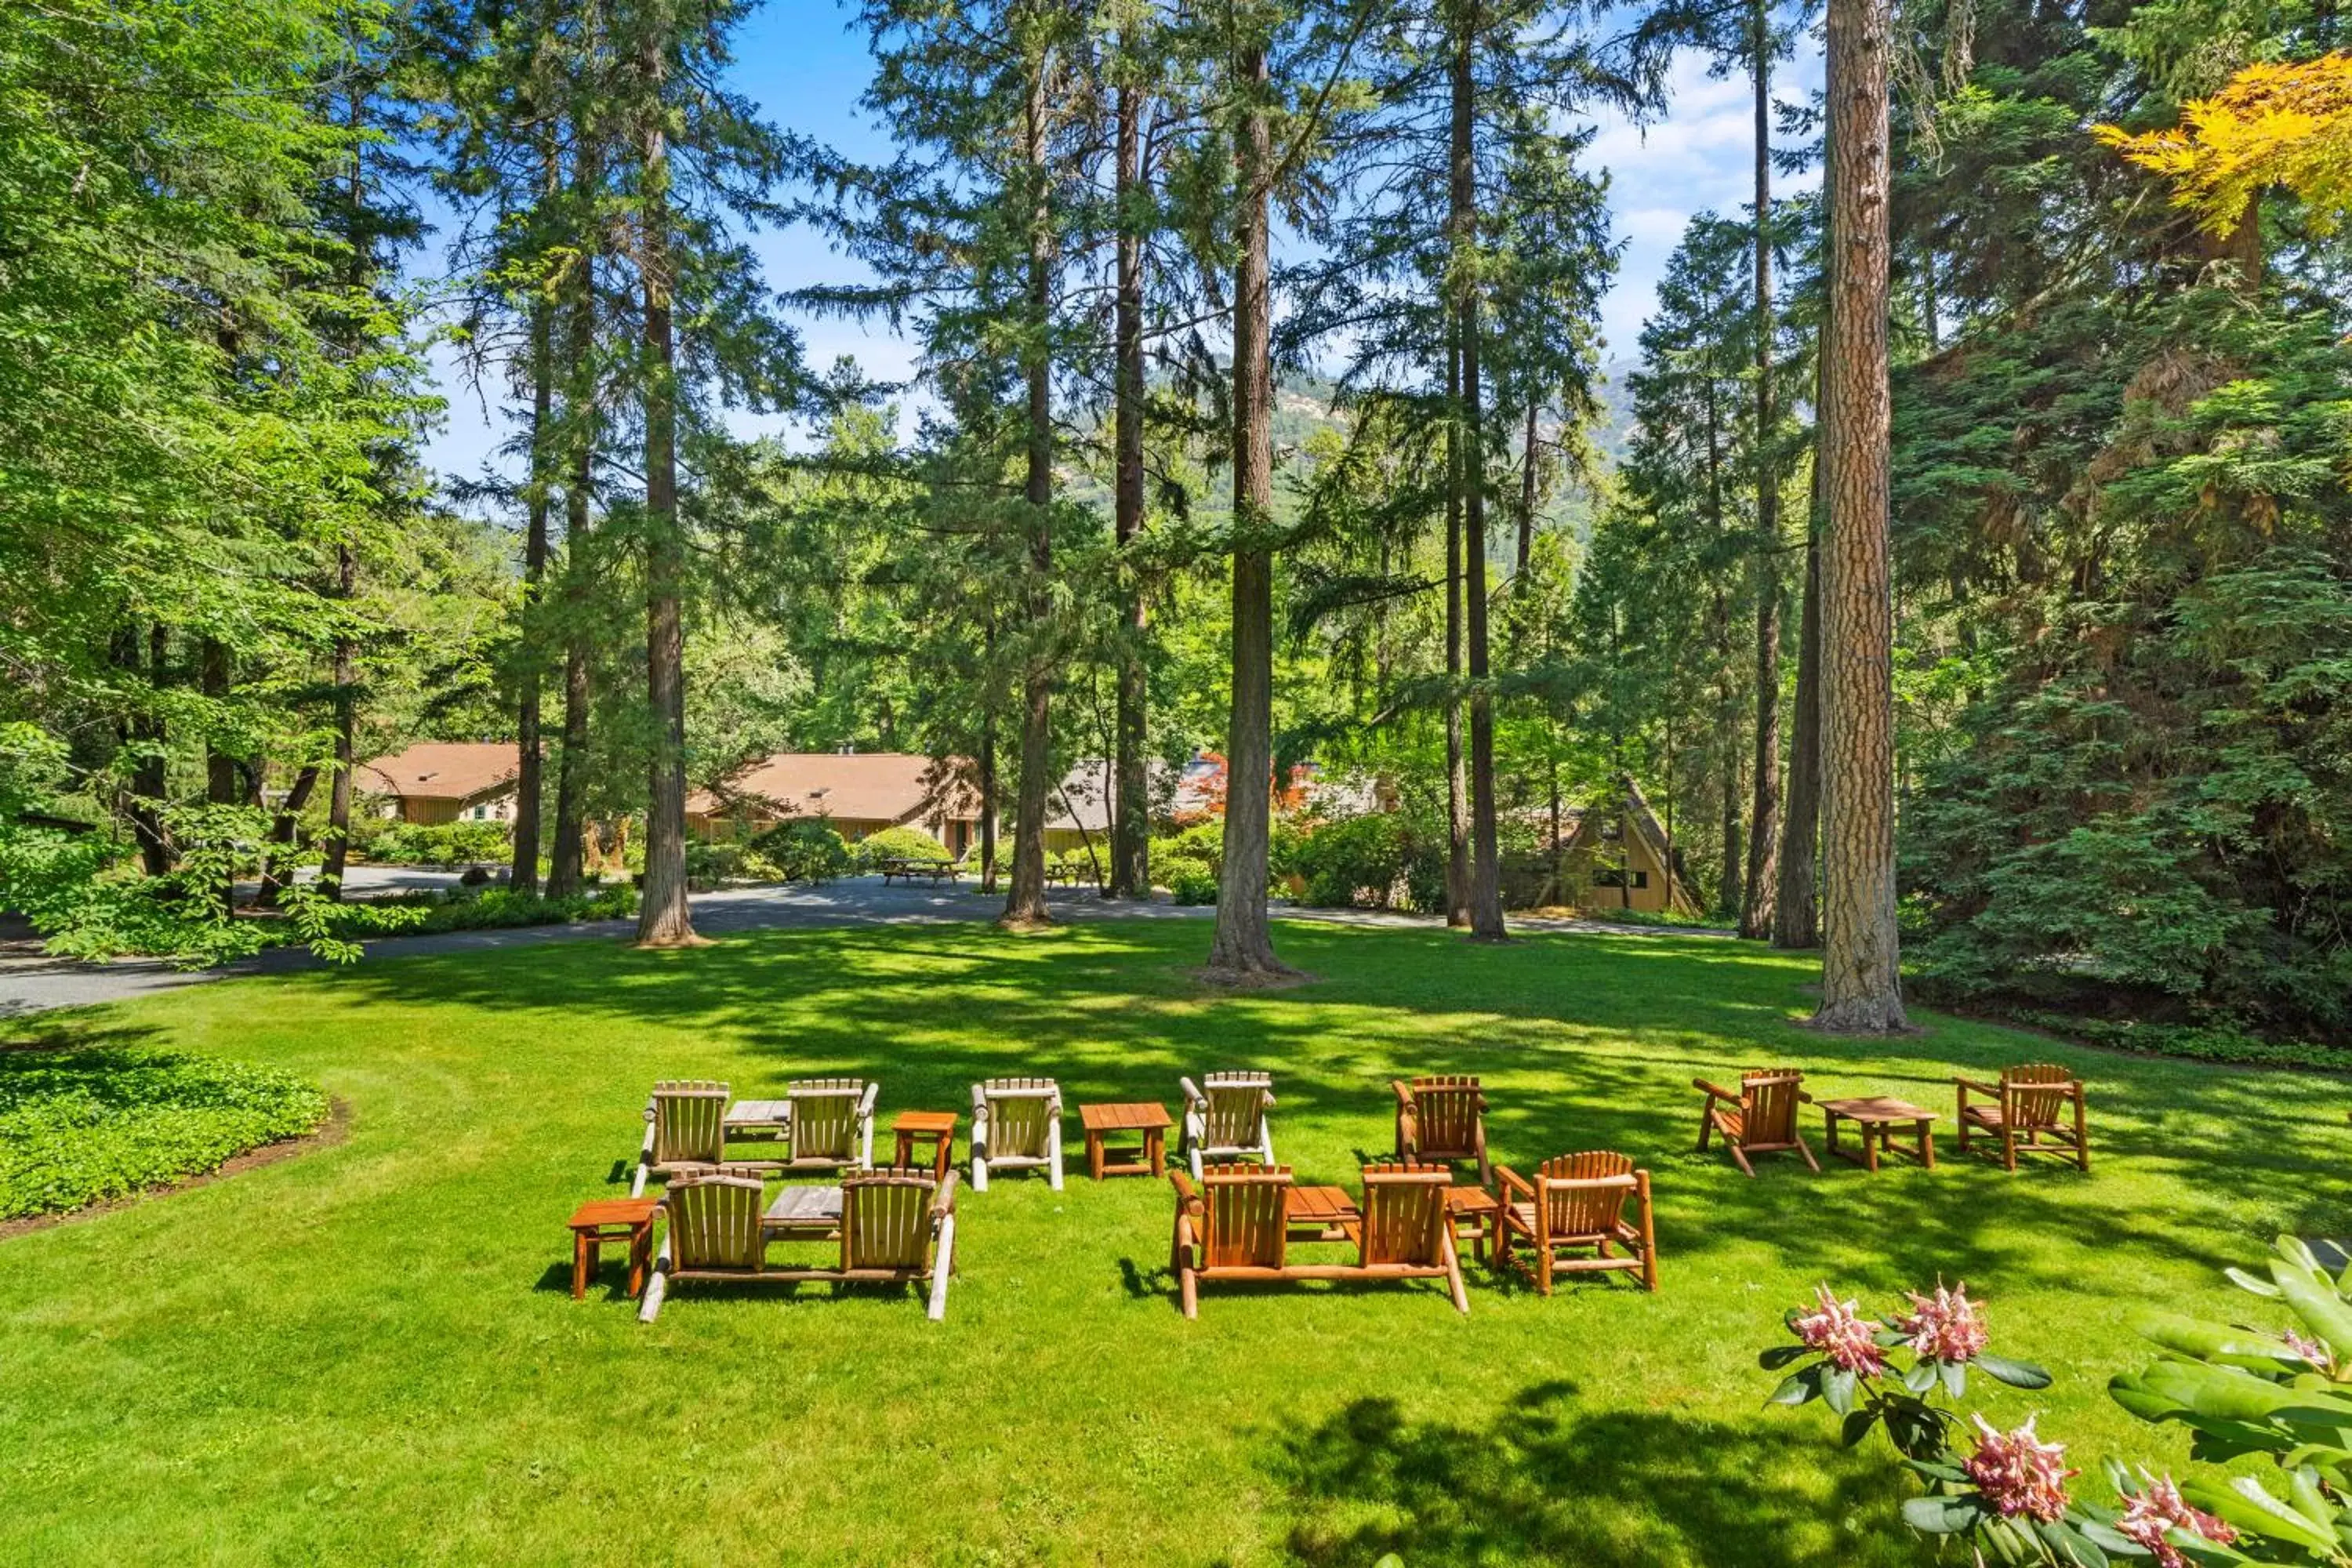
939,1267
978,1171
1197,1177
656,1286
637,1187
1266,1144
1053,1155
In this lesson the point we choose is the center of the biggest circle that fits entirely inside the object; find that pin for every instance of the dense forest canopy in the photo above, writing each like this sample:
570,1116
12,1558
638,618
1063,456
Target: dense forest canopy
1258,413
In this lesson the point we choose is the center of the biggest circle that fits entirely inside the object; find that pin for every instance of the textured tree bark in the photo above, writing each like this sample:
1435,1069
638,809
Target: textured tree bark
283,826
149,780
522,876
988,800
1024,900
1861,967
1528,489
1130,833
1725,747
1764,811
568,853
1243,948
664,920
1457,771
1796,920
1486,870
336,858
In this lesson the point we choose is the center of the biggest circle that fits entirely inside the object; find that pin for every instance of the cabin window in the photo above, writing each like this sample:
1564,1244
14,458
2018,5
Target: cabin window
1615,877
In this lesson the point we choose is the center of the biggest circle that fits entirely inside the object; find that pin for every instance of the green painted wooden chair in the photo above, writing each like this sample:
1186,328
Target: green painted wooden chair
1016,1125
1224,1118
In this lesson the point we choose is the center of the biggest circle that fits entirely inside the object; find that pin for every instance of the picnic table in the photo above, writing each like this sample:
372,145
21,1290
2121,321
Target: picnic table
911,867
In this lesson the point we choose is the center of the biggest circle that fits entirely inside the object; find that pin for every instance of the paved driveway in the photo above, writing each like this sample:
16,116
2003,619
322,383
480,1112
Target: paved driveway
32,983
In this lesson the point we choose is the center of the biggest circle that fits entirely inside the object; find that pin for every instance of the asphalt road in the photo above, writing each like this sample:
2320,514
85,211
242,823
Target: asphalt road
31,982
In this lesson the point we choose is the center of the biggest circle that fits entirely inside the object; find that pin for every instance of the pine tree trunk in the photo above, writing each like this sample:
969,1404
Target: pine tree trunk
988,802
1485,871
1528,489
283,827
336,859
664,920
1796,919
150,779
1457,771
1024,901
523,874
567,853
1242,949
1861,968
1726,749
1130,834
1764,815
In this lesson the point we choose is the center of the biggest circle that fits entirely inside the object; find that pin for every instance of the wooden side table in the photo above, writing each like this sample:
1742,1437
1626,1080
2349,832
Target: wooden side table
1319,1214
612,1219
1878,1117
1475,1213
938,1127
1149,1119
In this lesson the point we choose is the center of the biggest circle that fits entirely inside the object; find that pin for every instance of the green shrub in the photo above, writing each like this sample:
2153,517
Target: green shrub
897,844
439,844
491,909
81,1126
805,849
1198,852
1354,861
1190,887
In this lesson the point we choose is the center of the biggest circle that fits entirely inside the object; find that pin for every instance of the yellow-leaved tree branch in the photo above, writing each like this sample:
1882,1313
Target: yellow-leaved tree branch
2283,125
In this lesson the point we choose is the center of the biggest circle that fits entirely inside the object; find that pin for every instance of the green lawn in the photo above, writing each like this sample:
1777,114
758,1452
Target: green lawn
370,1353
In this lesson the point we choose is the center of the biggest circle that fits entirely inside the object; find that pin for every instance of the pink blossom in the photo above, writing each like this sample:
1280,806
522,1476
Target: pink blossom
1945,1326
2018,1473
2311,1351
2161,1507
1839,1331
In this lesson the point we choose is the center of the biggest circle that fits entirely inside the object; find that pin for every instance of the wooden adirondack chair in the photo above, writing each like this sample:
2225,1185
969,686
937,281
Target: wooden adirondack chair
1761,1119
895,1229
1016,1125
830,1126
1235,1226
1577,1204
714,1234
1406,1232
1442,1119
1224,1118
685,1134
2028,1114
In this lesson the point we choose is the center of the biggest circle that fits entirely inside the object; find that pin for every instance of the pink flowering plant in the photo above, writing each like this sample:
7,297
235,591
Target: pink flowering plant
1854,1364
2010,1493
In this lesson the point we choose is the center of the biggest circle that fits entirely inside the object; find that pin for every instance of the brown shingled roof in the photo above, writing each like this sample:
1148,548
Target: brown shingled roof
440,769
860,786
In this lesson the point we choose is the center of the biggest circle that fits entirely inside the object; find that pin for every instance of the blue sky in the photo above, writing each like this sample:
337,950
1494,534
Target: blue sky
799,61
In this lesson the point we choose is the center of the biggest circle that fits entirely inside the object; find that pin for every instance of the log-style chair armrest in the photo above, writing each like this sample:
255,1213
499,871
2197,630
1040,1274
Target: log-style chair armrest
1403,1094
1509,1180
1192,1094
865,1105
1188,1199
1715,1091
1805,1095
979,1102
1593,1183
943,1201
1267,1100
1990,1091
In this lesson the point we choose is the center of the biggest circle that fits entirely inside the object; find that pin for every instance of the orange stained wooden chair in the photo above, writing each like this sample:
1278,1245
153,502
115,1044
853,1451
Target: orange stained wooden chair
1576,1205
2029,1114
1442,1119
1761,1119
1234,1227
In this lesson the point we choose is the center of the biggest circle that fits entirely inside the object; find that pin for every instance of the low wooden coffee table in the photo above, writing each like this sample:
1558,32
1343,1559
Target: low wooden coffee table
803,1213
1149,1118
938,1127
1319,1214
1878,1116
629,1220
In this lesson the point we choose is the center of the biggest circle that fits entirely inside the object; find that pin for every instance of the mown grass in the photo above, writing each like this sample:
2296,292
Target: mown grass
369,1353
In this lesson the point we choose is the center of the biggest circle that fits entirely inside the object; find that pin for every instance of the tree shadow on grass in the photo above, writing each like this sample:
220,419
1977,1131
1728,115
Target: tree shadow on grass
1541,1482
